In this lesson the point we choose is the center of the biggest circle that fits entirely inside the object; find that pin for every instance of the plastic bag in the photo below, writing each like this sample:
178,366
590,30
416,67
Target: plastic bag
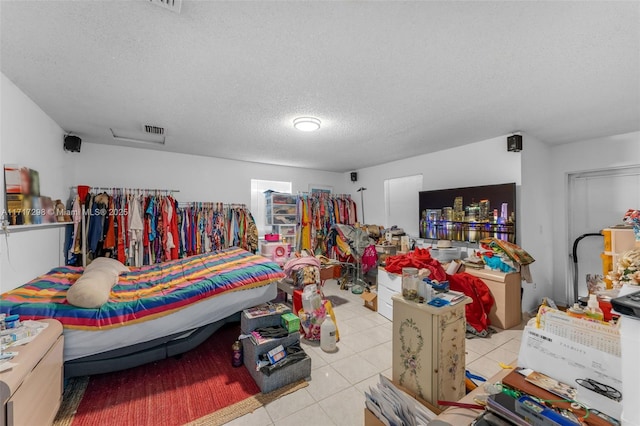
311,299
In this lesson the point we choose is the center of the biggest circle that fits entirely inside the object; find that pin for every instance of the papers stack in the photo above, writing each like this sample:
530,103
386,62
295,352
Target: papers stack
393,407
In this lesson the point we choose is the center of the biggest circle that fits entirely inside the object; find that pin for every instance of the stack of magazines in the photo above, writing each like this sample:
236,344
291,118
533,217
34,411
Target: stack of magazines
394,407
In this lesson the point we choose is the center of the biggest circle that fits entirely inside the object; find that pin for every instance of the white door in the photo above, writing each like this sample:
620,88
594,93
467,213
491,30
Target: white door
597,200
401,203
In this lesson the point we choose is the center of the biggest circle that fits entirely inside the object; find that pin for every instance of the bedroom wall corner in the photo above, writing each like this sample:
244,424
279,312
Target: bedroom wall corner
30,137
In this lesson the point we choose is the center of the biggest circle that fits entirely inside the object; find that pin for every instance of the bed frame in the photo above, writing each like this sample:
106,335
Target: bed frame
145,352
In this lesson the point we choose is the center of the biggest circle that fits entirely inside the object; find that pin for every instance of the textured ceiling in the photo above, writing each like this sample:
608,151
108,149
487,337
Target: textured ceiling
388,79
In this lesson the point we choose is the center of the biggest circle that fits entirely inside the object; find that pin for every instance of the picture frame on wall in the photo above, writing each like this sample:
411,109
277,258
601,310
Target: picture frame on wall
320,189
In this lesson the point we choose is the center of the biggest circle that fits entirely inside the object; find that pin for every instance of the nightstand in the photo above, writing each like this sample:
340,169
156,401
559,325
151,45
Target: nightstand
31,391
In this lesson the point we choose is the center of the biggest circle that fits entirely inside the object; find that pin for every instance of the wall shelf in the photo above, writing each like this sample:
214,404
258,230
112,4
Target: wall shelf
18,228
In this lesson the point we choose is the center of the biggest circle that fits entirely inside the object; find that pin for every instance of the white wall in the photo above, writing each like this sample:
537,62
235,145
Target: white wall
480,163
483,163
31,138
536,229
597,154
197,178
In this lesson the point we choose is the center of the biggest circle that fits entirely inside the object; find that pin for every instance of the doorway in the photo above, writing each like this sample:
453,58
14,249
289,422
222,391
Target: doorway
597,200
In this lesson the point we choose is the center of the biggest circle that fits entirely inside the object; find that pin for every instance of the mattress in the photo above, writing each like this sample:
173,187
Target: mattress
81,343
149,302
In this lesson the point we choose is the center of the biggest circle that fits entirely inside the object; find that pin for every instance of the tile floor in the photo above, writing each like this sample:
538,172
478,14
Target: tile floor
335,395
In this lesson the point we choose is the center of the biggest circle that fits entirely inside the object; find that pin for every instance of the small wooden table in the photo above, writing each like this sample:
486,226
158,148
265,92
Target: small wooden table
31,391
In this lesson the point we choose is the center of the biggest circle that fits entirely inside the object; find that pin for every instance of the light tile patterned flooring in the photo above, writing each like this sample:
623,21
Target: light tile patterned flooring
335,395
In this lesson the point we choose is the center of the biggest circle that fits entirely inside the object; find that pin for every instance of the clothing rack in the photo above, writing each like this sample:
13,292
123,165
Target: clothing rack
129,190
211,205
111,191
324,194
220,225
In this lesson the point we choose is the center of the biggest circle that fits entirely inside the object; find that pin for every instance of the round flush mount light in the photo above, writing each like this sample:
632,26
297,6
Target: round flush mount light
306,124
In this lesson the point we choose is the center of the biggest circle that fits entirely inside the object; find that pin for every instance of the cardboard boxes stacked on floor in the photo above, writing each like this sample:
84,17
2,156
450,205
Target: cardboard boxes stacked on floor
272,377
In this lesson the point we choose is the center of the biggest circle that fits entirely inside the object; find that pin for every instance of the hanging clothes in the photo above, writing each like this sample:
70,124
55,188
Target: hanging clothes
136,227
205,227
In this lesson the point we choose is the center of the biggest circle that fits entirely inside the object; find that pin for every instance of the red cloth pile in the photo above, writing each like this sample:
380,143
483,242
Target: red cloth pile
476,313
419,258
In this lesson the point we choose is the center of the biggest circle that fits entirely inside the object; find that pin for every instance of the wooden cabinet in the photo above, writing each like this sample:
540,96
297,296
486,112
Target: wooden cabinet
429,349
506,291
31,391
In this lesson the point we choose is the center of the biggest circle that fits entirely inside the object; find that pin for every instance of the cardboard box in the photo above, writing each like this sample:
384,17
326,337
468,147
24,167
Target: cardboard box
370,300
329,272
371,420
290,322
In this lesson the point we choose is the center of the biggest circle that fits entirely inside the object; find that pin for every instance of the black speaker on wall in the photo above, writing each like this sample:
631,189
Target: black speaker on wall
354,176
72,143
514,143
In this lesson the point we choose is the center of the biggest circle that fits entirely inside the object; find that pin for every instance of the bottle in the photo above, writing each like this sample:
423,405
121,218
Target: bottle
576,311
425,291
328,335
593,310
236,356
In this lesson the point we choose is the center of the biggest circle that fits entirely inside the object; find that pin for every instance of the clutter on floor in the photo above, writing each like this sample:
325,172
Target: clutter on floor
272,353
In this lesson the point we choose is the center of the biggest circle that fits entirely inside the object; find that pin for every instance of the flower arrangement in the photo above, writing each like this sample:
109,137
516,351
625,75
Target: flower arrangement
627,270
632,217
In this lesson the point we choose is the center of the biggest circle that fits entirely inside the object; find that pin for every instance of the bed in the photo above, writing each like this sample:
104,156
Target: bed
152,312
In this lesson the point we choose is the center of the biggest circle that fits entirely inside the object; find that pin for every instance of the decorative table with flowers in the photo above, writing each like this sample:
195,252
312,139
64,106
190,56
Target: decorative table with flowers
429,349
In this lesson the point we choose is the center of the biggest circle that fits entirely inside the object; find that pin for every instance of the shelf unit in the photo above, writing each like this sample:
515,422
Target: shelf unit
281,209
19,228
281,214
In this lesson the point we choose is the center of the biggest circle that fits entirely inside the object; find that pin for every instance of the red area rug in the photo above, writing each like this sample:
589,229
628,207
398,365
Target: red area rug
200,387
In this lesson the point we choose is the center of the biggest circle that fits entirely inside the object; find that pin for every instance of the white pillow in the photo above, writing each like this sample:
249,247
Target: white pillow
93,288
108,263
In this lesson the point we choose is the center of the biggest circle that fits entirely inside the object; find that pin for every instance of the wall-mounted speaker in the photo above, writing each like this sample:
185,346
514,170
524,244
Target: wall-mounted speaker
514,143
72,143
354,176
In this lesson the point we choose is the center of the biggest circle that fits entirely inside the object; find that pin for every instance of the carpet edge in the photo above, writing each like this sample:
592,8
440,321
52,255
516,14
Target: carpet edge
249,405
73,393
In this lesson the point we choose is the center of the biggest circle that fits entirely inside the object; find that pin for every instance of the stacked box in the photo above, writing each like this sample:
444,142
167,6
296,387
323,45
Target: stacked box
251,320
281,377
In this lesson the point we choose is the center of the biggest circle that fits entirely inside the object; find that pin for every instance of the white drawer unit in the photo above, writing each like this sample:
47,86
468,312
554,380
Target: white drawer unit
388,285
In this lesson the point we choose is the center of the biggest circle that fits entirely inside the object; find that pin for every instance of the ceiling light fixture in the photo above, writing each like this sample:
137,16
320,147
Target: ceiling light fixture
306,124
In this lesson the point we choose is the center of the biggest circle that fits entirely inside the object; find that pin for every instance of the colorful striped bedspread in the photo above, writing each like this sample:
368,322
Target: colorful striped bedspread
144,293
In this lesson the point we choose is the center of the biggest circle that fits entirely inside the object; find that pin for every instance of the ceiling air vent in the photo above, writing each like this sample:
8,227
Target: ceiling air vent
172,5
153,130
137,137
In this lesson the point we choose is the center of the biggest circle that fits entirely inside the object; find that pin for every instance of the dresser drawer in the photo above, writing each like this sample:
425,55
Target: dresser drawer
385,304
392,282
38,398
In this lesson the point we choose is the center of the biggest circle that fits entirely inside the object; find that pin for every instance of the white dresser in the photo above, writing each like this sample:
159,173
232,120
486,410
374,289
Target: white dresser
388,285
